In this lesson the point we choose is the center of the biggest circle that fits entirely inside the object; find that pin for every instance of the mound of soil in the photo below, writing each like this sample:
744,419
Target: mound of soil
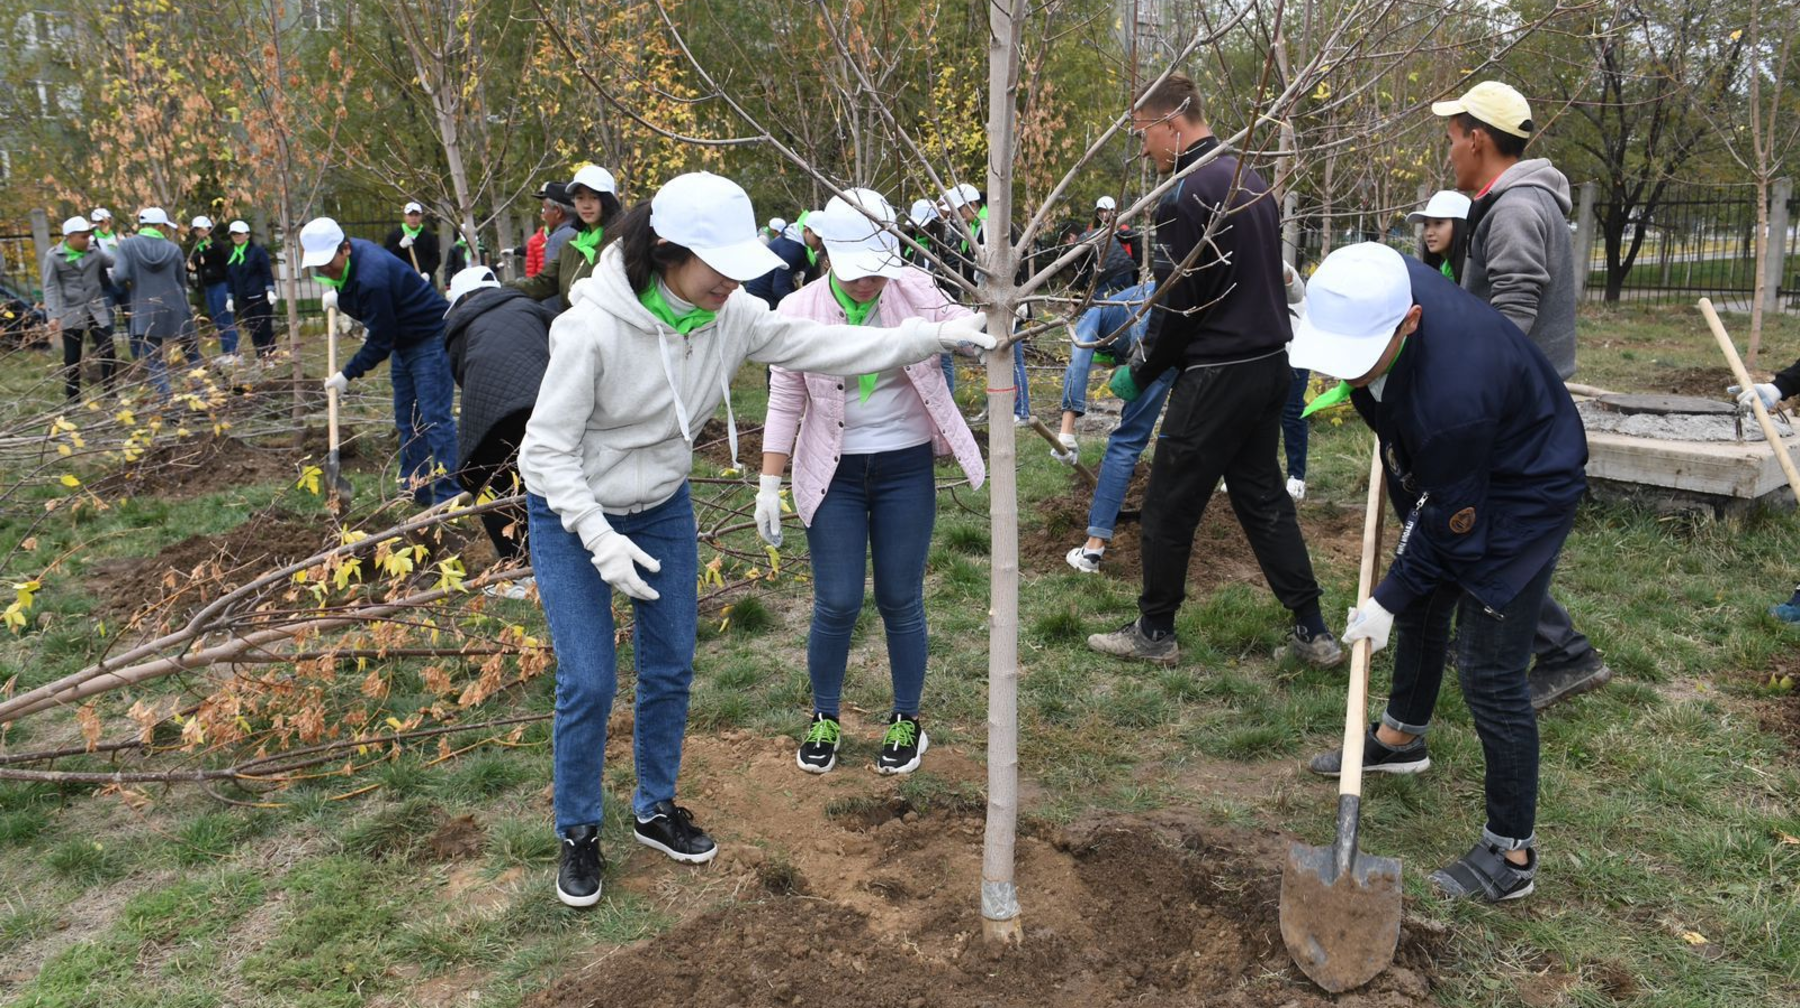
859,896
713,443
198,569
185,469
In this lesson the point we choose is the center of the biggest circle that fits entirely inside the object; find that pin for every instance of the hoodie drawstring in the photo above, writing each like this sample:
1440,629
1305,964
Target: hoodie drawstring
681,411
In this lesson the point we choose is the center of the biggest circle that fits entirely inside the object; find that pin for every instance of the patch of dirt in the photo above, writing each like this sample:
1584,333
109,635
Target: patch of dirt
198,569
713,443
1779,712
457,837
1221,552
1708,383
185,469
840,888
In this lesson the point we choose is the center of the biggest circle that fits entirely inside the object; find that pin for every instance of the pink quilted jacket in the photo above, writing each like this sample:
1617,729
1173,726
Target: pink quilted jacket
813,405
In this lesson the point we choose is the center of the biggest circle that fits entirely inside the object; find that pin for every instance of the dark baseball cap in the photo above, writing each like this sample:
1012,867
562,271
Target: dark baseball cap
555,191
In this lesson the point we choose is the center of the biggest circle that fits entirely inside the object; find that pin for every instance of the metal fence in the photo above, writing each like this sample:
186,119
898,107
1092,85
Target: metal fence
1700,241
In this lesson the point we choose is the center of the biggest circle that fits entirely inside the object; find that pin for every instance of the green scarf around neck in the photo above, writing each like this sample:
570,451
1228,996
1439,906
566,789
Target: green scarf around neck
149,232
73,255
202,245
338,284
812,254
1449,273
652,298
412,232
1341,391
857,313
237,254
587,242
980,222
107,235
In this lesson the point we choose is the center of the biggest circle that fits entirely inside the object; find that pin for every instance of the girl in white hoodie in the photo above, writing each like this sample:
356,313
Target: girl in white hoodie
643,355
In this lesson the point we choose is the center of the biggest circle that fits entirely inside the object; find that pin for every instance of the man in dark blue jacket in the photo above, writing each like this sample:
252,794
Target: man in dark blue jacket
404,316
1485,458
798,248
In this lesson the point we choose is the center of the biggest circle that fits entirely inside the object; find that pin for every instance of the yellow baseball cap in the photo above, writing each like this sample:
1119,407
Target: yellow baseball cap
1498,105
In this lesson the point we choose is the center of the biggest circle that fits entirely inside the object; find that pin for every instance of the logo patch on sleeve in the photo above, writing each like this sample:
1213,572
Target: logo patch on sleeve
1462,521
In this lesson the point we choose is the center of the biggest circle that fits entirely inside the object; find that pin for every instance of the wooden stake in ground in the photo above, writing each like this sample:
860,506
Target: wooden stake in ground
1770,434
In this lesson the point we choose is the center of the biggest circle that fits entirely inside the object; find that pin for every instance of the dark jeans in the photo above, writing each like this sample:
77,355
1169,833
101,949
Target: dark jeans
881,506
73,341
423,392
1294,429
495,463
1558,645
1492,653
1222,422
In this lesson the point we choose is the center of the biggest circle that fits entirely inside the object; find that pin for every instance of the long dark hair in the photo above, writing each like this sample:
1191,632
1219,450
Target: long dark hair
644,256
1458,252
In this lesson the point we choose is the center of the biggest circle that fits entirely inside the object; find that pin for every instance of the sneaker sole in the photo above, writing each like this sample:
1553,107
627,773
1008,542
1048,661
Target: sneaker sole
809,768
1600,678
1285,652
1438,889
578,901
1397,769
918,757
676,855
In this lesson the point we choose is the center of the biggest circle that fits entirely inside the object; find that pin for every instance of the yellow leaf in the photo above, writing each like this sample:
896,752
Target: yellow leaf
309,480
64,450
1737,34
70,481
1694,938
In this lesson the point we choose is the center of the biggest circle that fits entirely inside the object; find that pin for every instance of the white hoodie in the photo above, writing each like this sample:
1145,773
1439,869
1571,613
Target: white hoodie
613,429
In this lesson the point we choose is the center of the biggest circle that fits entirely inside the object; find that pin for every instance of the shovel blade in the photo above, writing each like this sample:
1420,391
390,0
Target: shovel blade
1342,930
336,480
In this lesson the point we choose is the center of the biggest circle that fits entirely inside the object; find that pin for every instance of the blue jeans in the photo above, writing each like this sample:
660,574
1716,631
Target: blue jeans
423,390
216,294
881,505
1123,448
1022,398
578,606
1493,650
948,362
1294,429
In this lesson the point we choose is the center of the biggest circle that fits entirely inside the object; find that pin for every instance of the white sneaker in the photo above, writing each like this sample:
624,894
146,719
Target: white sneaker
517,591
1071,452
1296,488
1084,560
1221,488
1021,421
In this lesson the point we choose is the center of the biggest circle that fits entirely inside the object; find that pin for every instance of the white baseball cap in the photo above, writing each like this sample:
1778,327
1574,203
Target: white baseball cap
1499,105
923,212
319,241
201,221
595,178
153,216
76,225
467,281
1445,203
1354,302
100,214
958,196
712,216
239,227
412,208
777,224
1105,203
857,245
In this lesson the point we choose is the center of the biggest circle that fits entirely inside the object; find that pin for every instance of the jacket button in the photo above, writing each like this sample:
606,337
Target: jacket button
840,386
840,423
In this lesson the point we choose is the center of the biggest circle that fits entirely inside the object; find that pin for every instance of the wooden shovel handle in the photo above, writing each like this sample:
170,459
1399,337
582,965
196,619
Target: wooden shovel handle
1356,711
331,394
1770,434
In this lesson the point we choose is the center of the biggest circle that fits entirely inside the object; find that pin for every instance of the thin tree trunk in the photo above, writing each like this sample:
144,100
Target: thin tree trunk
1761,287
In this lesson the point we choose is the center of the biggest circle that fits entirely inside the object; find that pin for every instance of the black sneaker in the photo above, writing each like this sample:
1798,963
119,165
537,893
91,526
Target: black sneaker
1485,874
578,880
1410,758
671,829
818,751
902,747
1130,641
1555,686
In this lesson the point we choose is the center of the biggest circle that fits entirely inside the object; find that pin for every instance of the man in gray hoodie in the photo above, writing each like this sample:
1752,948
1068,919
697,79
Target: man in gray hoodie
1522,262
75,299
153,272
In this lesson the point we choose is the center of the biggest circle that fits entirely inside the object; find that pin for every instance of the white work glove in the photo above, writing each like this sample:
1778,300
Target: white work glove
229,306
618,558
1770,395
270,293
967,331
424,276
1369,621
1070,452
337,383
328,300
768,509
406,240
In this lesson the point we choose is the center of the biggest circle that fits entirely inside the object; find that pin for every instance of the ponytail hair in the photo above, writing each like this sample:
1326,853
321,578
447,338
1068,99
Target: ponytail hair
645,257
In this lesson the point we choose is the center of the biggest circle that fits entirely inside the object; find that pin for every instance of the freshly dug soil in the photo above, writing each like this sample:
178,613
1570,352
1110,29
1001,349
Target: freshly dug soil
713,443
855,895
190,468
198,569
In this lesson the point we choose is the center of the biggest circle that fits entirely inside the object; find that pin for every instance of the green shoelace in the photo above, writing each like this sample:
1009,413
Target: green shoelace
587,242
823,732
857,313
901,734
685,323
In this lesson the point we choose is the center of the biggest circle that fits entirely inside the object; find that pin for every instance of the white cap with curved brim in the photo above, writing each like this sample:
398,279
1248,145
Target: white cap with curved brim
153,216
1105,203
594,178
201,221
1497,104
238,227
77,225
712,216
1445,204
777,225
1354,302
319,241
413,208
468,281
100,214
923,212
858,235
958,196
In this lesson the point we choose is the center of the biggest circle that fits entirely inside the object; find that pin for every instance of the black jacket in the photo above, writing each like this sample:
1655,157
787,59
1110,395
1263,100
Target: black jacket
252,278
206,261
1485,455
425,247
499,345
779,282
1231,304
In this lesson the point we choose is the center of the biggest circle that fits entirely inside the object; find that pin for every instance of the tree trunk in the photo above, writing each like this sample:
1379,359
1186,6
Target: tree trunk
1760,289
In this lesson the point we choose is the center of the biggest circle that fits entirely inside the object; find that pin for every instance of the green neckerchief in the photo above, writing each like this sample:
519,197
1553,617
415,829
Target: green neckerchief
237,254
338,284
202,245
857,313
72,255
108,235
652,298
1341,391
1444,268
812,254
412,232
149,232
980,222
587,242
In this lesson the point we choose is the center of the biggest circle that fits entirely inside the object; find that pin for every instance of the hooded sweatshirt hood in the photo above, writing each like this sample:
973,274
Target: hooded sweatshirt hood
1536,173
155,255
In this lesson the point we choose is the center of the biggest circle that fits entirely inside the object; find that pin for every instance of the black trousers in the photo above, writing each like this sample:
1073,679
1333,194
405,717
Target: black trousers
253,315
1225,422
495,464
73,341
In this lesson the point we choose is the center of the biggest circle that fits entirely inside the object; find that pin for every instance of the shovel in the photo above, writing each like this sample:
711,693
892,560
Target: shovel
1770,434
334,473
1340,908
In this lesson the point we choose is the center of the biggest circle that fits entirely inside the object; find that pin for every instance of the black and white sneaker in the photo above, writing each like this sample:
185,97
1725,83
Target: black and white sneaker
1410,758
902,747
1485,874
671,829
578,879
818,750
1084,560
